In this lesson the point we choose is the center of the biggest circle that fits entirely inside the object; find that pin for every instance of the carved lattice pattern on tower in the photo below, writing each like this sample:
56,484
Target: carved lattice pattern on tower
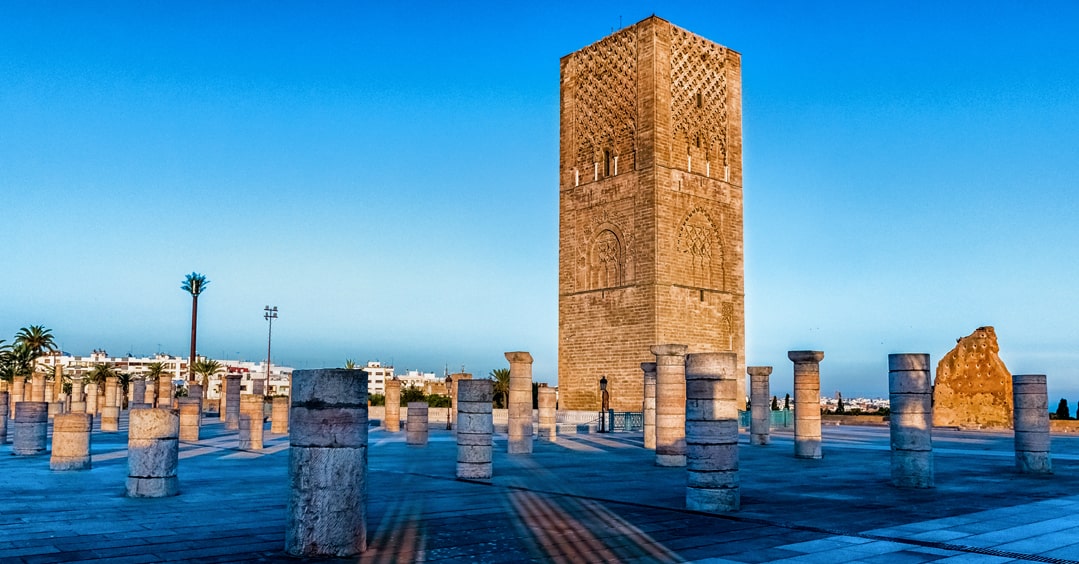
606,270
699,97
605,111
698,240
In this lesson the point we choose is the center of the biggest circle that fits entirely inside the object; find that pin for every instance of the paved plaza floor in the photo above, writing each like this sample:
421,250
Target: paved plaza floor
585,498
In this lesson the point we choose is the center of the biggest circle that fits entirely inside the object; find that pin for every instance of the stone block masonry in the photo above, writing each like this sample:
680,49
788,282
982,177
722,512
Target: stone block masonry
416,431
251,421
807,437
1031,401
760,422
71,442
670,404
910,389
475,426
649,405
31,428
153,449
712,432
327,505
520,403
391,421
650,208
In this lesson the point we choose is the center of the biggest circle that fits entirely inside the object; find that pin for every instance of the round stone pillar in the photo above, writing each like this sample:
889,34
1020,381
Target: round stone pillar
475,425
391,418
231,399
670,404
150,395
520,403
416,424
453,396
91,398
807,438
910,392
18,391
279,414
37,387
195,391
547,402
251,422
31,428
327,504
78,398
190,417
153,449
4,398
648,408
55,408
71,441
1031,400
760,421
712,432
110,414
164,391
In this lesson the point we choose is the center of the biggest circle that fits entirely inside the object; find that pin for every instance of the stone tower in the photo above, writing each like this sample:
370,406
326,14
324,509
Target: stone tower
650,208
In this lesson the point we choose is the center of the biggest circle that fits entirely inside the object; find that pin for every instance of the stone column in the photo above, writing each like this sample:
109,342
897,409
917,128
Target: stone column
760,422
910,391
57,380
649,406
391,419
251,423
520,403
670,404
231,400
547,401
416,424
55,408
807,441
279,414
138,392
37,387
150,396
712,432
91,398
327,506
71,441
165,393
153,449
453,396
31,428
475,426
78,398
4,398
18,391
1031,424
190,416
110,414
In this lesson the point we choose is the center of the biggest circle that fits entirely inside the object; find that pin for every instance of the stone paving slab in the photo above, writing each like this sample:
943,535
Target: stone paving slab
584,498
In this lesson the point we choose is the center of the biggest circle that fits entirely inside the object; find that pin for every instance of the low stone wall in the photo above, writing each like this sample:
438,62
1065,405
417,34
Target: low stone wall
1063,426
870,420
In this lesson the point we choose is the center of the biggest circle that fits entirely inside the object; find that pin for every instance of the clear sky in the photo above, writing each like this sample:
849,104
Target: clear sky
386,174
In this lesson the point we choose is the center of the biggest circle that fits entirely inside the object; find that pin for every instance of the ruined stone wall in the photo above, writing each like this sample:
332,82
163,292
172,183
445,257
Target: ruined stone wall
973,388
650,230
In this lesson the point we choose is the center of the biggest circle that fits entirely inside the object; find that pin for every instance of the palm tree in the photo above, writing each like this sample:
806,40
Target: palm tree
207,368
36,338
99,372
349,363
194,284
124,380
18,362
501,376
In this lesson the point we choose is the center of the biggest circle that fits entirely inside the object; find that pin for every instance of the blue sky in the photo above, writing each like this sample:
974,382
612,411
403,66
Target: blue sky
386,174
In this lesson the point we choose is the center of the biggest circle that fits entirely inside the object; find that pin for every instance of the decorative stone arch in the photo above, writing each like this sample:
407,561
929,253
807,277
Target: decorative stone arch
606,258
700,244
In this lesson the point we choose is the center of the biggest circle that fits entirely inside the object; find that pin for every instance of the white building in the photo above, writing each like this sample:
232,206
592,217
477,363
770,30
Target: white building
415,378
377,376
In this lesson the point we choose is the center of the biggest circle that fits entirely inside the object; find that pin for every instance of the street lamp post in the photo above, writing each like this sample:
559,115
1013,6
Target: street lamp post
603,402
269,314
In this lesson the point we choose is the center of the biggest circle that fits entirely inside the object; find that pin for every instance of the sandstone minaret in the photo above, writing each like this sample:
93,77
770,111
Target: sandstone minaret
650,208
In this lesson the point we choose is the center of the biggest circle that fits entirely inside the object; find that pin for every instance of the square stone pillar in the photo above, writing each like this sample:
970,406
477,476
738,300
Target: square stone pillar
807,437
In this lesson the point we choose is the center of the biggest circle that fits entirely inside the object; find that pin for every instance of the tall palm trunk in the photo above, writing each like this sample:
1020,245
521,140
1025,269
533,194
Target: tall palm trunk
194,325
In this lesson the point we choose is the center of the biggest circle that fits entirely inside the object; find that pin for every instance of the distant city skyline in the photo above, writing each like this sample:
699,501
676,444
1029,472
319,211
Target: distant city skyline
386,175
